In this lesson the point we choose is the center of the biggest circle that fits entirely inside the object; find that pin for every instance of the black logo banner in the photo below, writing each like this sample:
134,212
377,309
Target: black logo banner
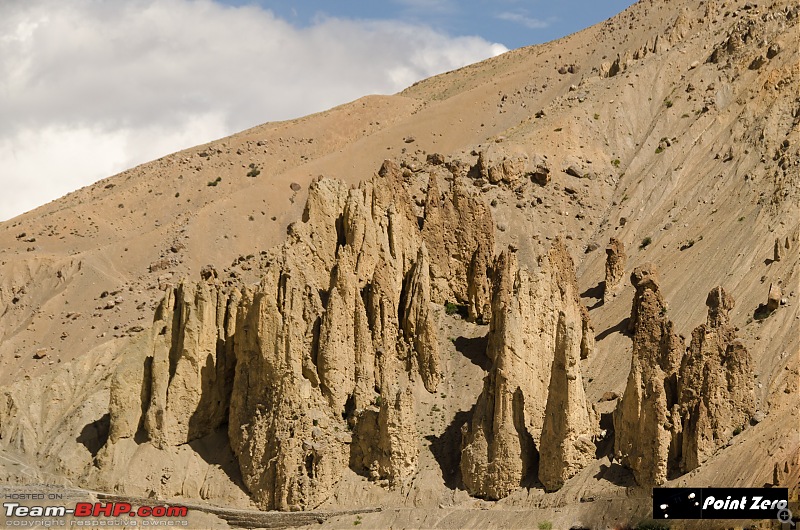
721,503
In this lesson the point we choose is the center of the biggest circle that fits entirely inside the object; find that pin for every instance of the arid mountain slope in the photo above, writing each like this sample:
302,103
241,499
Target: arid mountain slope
672,128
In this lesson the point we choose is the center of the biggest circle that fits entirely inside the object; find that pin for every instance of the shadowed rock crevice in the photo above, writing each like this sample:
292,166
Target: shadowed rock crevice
215,450
621,327
474,349
595,292
442,448
94,435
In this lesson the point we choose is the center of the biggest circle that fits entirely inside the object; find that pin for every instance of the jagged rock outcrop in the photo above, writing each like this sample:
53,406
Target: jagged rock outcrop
538,334
344,353
285,435
497,448
417,321
539,170
192,367
715,384
312,369
656,44
566,445
620,64
679,408
643,423
777,253
398,437
385,440
479,302
498,164
455,224
615,267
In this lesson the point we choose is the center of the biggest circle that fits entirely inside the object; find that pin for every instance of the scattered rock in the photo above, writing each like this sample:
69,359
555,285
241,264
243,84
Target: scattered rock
774,297
757,418
163,264
778,250
609,396
498,164
574,170
209,272
758,62
435,159
615,267
539,170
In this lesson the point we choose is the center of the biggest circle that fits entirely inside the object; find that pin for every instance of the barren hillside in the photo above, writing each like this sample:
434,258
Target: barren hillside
462,304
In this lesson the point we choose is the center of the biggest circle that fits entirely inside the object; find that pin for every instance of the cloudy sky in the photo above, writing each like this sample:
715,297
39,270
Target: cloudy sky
91,87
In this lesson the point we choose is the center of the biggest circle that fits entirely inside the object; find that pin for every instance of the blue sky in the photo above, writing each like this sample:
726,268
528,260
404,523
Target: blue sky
513,23
93,87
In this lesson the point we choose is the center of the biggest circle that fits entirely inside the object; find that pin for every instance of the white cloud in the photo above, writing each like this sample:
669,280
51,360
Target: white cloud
429,6
90,87
528,22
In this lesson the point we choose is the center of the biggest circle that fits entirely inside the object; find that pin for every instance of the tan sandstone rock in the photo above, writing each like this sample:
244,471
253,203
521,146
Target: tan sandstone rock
191,373
538,334
566,444
479,303
417,321
340,321
642,420
774,297
500,164
615,267
497,448
398,437
715,385
778,250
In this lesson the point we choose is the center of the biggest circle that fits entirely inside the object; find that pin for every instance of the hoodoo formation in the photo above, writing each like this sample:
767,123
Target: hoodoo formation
418,308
